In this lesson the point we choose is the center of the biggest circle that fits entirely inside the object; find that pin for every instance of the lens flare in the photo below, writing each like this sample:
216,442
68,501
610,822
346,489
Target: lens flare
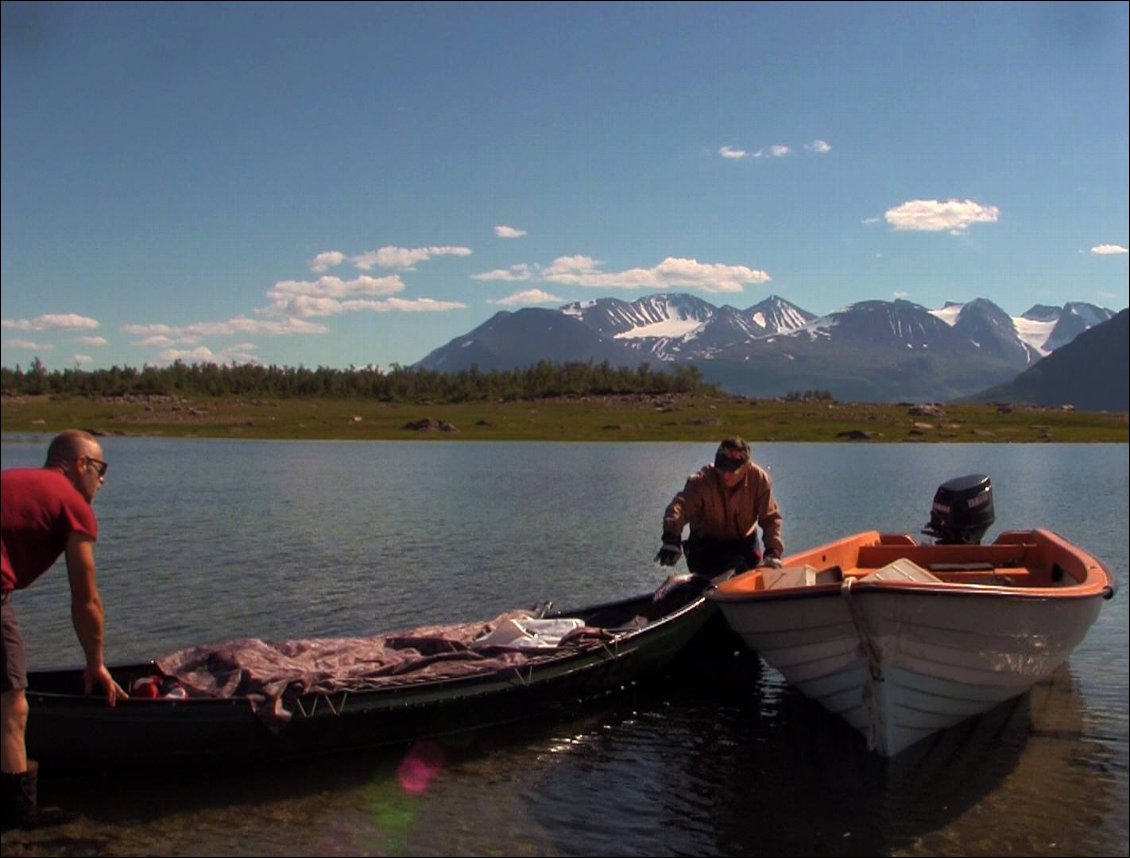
420,766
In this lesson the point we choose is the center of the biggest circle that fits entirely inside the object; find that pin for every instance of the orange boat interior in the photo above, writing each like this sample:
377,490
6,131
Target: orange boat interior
1028,560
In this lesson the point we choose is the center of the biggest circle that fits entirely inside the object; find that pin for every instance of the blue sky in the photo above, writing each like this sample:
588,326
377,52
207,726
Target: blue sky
351,184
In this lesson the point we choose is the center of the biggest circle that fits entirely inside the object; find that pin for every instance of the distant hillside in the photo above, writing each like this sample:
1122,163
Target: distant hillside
1092,372
525,338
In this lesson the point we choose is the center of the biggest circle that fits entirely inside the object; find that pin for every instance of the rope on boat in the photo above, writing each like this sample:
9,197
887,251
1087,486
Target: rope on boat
868,646
861,630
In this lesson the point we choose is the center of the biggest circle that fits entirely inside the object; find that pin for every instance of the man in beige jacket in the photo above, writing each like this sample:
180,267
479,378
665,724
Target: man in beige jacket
724,504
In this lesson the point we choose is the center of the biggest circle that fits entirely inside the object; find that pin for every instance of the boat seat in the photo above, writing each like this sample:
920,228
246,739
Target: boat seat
795,576
1012,576
902,570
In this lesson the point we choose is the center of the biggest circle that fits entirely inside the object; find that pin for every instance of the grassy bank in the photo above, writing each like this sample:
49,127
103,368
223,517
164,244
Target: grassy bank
643,418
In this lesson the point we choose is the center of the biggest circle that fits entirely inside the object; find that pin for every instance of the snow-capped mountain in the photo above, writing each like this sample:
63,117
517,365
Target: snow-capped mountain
1068,376
869,351
995,332
683,327
1072,320
659,316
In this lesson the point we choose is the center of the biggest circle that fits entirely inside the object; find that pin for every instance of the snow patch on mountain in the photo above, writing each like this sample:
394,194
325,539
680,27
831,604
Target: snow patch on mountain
1034,333
672,327
1032,329
948,313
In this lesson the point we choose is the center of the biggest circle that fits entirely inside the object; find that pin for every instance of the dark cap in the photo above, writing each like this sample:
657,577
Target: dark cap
732,454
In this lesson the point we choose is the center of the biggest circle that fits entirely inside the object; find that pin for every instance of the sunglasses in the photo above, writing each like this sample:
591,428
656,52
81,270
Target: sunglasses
725,463
99,465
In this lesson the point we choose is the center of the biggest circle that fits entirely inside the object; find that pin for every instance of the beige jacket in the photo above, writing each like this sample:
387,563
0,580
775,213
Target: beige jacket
714,513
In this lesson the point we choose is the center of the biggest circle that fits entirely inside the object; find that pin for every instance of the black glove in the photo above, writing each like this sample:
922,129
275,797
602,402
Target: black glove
669,553
771,561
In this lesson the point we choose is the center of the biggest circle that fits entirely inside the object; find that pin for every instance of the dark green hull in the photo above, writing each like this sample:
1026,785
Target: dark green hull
67,729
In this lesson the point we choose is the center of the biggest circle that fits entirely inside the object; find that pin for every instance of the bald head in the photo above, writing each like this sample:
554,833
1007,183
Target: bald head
78,456
69,445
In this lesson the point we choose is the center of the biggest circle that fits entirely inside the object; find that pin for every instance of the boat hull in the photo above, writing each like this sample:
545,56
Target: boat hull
901,659
67,730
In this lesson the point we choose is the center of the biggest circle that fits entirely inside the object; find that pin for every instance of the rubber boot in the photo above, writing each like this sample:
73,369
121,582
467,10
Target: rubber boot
21,804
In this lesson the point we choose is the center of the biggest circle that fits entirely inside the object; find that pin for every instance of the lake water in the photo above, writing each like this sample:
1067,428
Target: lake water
207,540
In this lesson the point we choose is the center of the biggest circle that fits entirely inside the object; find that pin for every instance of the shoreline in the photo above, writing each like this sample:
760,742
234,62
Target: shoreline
635,418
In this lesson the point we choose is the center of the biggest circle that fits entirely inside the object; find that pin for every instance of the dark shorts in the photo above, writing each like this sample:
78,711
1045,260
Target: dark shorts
12,657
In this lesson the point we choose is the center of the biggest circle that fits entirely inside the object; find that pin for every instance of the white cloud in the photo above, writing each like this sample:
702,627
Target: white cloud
672,272
778,150
1106,249
565,267
400,305
403,258
953,216
325,261
527,298
508,231
306,307
243,325
155,329
511,274
160,334
91,341
157,340
820,147
335,287
29,344
50,322
241,353
324,296
292,303
200,355
82,359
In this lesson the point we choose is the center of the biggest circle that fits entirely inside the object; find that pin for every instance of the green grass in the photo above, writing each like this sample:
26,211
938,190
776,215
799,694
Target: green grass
660,418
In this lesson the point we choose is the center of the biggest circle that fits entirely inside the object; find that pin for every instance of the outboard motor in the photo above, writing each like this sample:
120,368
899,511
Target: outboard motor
962,511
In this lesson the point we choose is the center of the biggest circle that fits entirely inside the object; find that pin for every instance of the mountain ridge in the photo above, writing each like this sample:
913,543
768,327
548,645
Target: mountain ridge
872,350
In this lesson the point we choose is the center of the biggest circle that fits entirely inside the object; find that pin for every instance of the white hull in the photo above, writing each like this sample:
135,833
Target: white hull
899,666
901,660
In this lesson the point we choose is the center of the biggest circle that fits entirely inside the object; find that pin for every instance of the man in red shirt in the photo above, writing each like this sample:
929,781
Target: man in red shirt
45,513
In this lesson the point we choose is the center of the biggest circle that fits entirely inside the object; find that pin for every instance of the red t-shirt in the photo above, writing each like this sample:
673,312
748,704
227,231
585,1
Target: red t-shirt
39,508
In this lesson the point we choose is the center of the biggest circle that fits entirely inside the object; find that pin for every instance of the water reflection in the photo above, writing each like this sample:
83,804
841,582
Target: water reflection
214,540
721,760
775,774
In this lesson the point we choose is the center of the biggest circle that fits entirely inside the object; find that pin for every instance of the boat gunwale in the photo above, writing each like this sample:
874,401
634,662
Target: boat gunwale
919,588
581,656
1098,582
